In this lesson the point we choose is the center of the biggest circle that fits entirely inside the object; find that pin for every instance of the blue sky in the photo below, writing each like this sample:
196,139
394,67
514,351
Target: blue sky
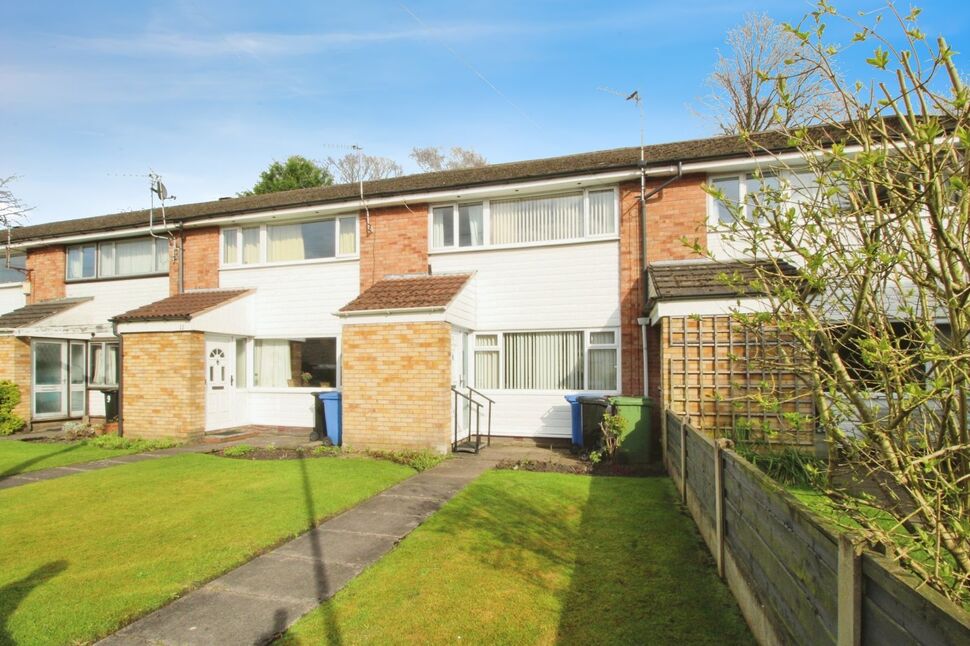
94,94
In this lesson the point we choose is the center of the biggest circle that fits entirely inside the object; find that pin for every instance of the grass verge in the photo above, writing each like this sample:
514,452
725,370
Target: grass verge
21,457
83,555
540,558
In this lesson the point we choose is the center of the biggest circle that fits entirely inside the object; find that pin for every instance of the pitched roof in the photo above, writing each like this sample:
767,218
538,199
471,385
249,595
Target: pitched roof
36,312
708,279
599,161
409,292
181,307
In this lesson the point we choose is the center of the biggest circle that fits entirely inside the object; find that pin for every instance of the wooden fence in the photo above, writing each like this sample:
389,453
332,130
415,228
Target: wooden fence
795,581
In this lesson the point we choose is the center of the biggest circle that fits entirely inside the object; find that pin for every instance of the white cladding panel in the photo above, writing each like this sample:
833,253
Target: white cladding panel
11,297
542,287
281,408
95,403
111,298
297,300
530,415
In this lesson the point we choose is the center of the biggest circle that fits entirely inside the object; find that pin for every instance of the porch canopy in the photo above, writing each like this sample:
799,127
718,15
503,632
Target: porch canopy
43,319
226,311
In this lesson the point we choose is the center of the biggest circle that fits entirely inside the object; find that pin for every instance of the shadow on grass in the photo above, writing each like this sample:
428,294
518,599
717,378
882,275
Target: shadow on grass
642,573
19,468
13,594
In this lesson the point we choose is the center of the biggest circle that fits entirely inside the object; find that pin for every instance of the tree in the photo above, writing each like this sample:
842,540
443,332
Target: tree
745,84
295,172
13,212
431,159
877,223
357,167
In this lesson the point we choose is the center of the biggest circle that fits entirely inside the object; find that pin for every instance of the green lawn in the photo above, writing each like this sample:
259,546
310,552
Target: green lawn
82,555
540,558
20,457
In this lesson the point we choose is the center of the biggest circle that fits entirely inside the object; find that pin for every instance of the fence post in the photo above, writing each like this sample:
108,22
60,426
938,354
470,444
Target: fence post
849,593
719,445
683,461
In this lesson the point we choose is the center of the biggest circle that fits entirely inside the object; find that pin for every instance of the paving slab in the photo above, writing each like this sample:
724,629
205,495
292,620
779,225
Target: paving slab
259,600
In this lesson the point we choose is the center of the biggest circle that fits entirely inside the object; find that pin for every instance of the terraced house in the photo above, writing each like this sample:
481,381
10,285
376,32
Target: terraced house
522,281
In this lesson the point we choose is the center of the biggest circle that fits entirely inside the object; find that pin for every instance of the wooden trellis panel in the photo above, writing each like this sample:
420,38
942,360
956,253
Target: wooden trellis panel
719,373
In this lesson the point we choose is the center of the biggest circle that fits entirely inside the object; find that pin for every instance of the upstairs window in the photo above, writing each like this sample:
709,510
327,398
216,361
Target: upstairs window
330,238
9,268
117,258
528,220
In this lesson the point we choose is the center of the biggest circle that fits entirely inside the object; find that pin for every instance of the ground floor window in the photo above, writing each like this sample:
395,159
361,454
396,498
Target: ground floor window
295,363
547,360
103,369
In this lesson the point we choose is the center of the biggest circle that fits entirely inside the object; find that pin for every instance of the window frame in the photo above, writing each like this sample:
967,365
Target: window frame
487,221
21,272
263,227
97,245
100,385
251,364
587,346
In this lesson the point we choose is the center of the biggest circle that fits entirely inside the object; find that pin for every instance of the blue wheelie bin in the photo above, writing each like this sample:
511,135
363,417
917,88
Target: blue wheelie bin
577,419
332,415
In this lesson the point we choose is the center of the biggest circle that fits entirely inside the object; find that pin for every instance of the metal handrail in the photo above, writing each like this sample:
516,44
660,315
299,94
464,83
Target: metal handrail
478,417
480,394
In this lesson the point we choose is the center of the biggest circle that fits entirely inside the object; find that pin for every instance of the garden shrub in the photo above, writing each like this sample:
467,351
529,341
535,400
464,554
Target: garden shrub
326,451
119,443
417,460
10,422
239,451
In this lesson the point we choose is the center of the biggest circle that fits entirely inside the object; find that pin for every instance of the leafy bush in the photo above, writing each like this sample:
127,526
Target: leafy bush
789,466
10,422
123,443
611,434
417,460
239,451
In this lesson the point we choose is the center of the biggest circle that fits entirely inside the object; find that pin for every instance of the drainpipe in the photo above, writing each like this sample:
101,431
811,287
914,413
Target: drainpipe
181,252
643,341
644,196
121,379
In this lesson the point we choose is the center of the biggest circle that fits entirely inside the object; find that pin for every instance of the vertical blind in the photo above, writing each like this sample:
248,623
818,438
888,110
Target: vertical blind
486,361
544,360
601,212
537,219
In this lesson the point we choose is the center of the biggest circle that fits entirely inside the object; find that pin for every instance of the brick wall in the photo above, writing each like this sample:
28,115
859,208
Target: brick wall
46,266
397,245
164,385
15,367
201,252
396,386
677,212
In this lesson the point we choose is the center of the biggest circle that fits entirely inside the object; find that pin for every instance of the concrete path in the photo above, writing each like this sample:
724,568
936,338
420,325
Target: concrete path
104,463
259,600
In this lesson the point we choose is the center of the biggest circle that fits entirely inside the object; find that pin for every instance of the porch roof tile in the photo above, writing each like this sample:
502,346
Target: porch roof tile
36,312
181,307
405,292
708,279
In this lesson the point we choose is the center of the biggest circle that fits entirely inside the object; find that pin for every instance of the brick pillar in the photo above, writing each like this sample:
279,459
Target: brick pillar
15,367
397,245
164,385
397,385
46,273
678,212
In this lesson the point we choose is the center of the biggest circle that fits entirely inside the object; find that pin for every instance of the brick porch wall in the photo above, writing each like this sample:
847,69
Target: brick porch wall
677,212
47,266
201,252
396,386
15,367
164,387
398,244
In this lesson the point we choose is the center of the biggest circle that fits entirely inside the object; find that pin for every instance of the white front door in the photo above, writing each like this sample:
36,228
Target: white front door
220,382
459,379
49,363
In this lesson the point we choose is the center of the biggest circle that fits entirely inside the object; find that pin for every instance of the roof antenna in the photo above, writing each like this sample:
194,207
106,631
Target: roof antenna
635,97
157,188
360,184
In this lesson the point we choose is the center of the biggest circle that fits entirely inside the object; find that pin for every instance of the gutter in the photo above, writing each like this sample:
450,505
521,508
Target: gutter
387,312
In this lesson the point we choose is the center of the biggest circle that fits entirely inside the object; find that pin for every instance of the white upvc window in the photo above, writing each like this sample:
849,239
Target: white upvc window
576,215
290,242
547,360
117,258
13,265
103,368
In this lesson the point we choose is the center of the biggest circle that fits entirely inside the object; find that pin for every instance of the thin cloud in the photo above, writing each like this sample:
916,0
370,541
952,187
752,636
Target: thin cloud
263,44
